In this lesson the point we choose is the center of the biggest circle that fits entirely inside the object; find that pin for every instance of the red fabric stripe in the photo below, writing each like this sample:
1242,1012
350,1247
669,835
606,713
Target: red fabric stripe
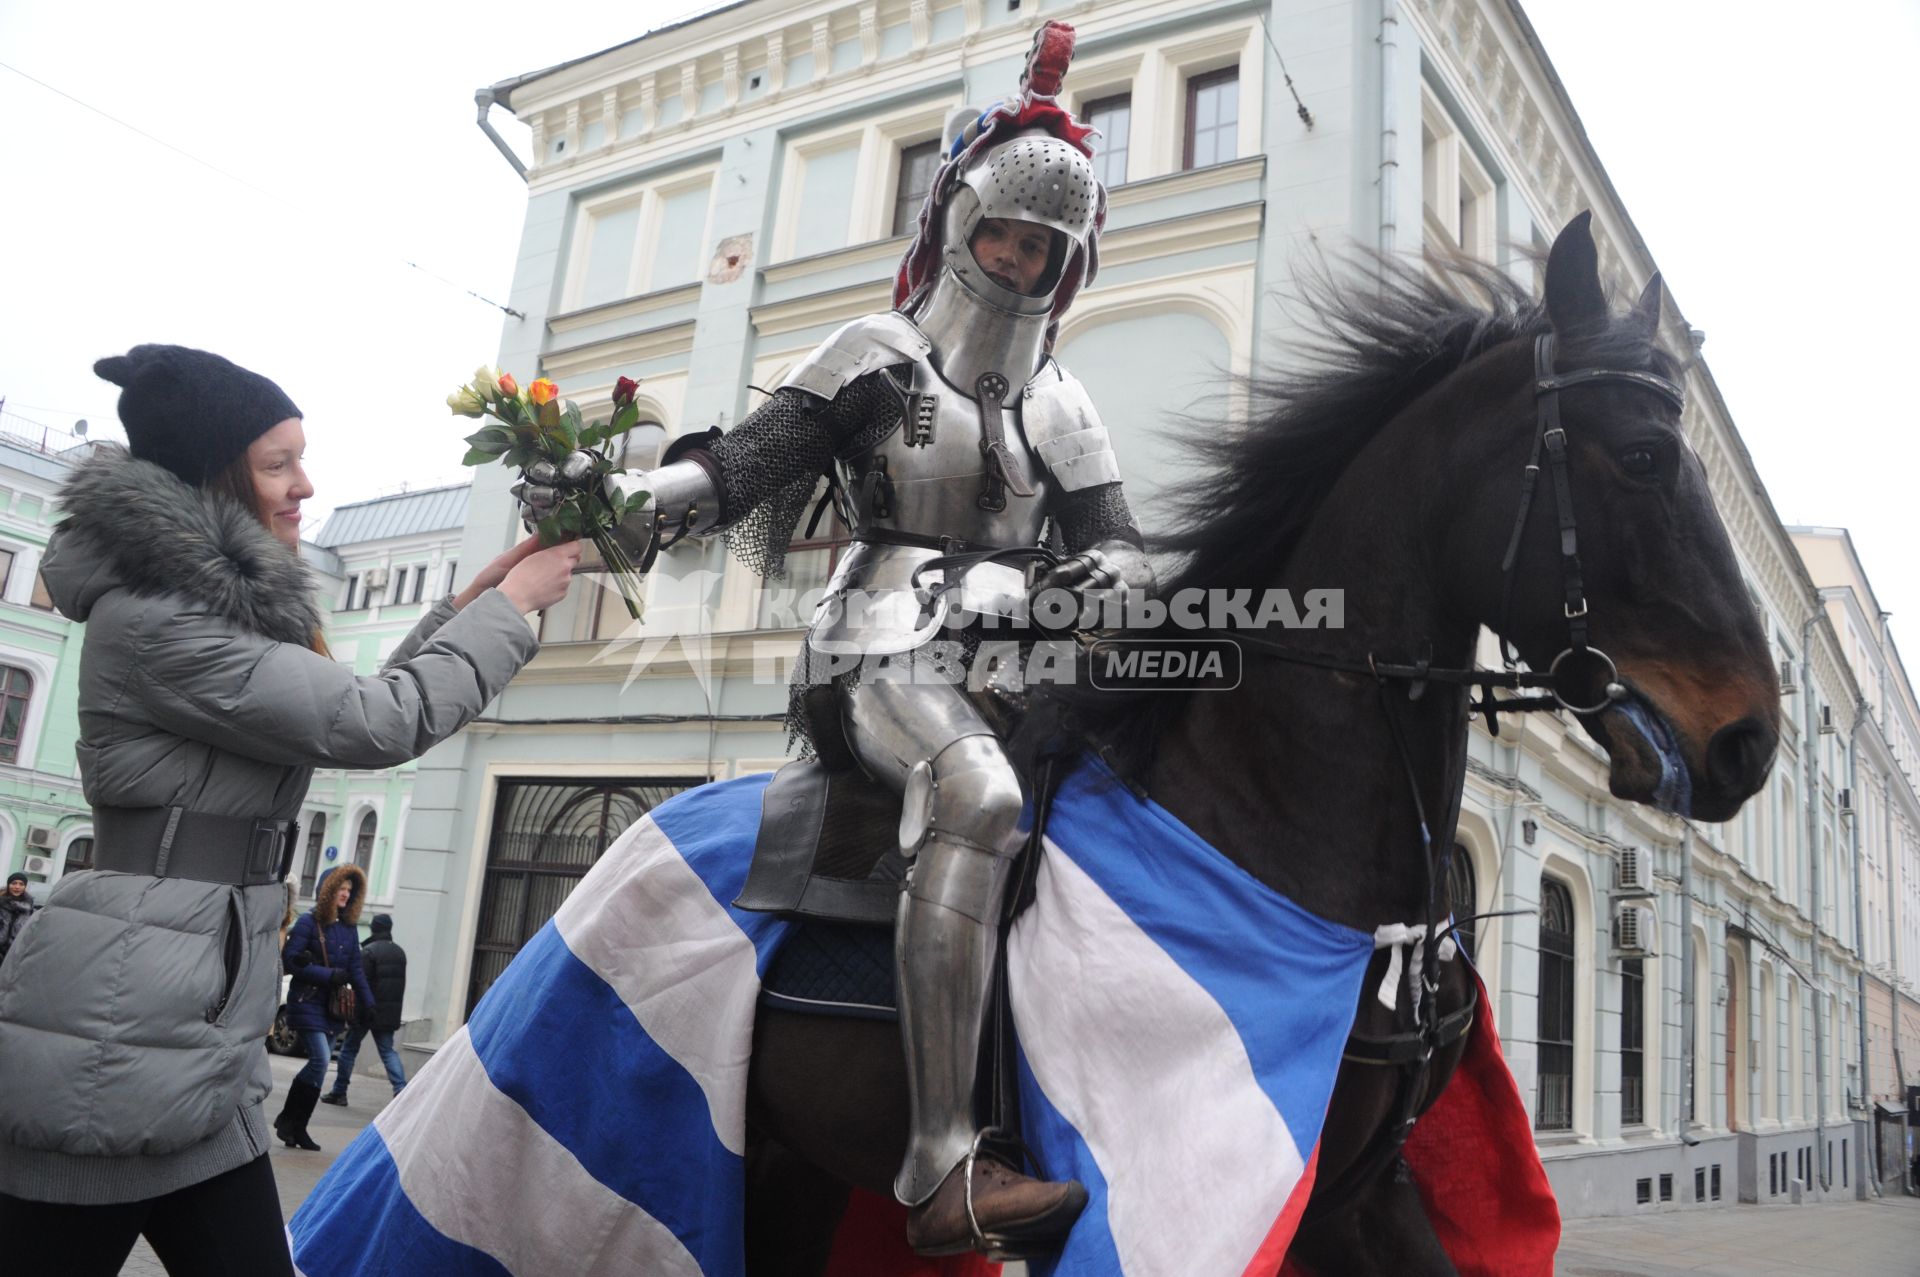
1266,1261
1478,1171
872,1242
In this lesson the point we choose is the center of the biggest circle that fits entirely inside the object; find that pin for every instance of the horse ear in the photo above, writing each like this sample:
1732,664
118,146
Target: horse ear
1646,311
1574,296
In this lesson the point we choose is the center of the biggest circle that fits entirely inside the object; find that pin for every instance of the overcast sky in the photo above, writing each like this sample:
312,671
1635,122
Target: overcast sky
1764,151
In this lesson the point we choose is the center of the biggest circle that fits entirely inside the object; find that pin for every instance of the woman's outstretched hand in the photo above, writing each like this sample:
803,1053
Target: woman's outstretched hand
541,579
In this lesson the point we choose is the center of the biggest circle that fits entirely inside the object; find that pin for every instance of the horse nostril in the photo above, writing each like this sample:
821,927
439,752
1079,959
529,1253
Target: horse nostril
1739,754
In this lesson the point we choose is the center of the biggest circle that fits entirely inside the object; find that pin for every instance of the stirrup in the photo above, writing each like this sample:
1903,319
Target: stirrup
1000,1250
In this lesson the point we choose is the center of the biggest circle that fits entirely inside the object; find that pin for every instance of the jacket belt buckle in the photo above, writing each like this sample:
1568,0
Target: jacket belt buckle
270,850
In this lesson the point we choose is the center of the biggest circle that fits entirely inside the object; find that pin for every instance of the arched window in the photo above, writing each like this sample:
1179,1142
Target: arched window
1633,1042
79,855
1462,893
16,690
363,841
316,839
1554,1109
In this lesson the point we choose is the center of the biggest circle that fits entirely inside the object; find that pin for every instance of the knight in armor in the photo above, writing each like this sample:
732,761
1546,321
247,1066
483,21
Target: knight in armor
947,430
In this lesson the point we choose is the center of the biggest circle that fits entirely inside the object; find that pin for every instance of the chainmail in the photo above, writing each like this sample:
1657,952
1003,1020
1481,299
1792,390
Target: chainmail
1091,515
771,463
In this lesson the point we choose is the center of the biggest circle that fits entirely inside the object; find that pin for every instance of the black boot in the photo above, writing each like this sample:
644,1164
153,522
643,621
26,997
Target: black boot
291,1125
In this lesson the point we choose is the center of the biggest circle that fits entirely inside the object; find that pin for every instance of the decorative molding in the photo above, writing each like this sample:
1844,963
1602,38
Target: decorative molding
1252,167
610,116
893,248
730,78
625,308
1235,224
776,72
836,306
664,342
921,17
822,49
869,34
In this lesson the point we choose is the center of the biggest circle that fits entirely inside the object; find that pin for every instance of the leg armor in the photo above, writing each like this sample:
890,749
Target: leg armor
961,829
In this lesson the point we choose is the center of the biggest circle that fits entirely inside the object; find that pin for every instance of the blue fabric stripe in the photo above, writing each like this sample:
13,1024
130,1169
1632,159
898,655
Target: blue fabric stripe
362,1225
1089,1250
557,1039
1285,978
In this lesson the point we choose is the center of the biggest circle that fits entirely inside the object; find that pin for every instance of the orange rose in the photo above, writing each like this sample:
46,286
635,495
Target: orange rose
542,391
508,386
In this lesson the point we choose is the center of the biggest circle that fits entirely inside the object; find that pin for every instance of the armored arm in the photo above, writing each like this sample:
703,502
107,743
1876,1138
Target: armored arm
1104,545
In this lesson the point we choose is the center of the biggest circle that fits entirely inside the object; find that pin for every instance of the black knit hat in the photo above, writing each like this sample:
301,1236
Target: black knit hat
192,411
16,877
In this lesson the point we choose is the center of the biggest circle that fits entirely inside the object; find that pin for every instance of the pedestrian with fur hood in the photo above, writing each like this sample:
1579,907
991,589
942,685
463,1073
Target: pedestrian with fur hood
16,907
322,953
133,1010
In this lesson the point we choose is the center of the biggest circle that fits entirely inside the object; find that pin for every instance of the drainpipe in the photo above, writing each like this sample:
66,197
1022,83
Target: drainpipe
484,100
1893,946
1859,909
1389,122
1810,746
1689,1083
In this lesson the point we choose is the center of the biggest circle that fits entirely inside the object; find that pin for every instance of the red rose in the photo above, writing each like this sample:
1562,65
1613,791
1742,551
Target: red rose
624,390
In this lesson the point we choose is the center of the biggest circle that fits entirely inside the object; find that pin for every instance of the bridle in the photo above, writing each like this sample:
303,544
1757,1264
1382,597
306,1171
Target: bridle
1550,440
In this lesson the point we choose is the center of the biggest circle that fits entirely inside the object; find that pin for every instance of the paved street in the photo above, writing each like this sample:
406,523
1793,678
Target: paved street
1836,1239
1844,1239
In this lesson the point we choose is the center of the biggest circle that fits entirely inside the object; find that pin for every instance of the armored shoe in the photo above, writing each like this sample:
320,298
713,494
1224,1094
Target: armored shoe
1014,1216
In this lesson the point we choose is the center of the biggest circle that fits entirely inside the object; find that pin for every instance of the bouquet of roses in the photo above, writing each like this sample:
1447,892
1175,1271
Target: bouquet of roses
543,434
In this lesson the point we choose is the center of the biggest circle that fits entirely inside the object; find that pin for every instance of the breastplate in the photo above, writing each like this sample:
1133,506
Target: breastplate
928,477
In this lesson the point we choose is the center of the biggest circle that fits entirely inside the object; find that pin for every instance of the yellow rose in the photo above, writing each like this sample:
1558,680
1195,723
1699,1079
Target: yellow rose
542,391
465,403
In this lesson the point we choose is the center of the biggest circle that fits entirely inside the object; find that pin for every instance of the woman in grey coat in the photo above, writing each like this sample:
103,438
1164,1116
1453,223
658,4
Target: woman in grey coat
134,1009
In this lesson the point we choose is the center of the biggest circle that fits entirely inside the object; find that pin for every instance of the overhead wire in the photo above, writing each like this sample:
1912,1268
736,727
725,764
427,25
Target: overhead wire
238,180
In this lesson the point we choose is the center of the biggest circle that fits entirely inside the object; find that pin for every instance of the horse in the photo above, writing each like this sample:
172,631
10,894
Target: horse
1401,465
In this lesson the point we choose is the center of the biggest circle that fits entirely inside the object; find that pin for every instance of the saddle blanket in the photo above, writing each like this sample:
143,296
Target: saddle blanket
1179,1030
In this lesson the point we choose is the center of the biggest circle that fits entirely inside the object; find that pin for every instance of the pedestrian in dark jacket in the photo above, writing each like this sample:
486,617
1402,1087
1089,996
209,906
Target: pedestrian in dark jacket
133,1009
16,906
386,964
322,954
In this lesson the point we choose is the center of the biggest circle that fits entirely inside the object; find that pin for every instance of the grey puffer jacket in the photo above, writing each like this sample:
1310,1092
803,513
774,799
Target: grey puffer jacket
134,1010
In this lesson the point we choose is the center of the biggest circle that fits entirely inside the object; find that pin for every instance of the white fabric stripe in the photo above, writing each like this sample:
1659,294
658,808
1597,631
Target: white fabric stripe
1146,1066
646,923
483,1173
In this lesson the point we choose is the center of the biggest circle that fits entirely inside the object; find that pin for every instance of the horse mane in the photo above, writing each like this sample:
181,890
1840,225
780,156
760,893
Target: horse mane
1391,333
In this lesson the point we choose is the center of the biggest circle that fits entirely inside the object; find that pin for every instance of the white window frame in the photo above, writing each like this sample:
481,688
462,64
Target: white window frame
1447,164
650,197
41,671
876,172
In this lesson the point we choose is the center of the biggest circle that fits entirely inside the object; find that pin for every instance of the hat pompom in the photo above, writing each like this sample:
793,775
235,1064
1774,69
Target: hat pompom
118,369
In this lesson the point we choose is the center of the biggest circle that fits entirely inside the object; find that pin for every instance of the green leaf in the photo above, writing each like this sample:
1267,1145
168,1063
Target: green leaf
550,533
493,441
523,455
478,457
592,436
634,501
550,414
626,419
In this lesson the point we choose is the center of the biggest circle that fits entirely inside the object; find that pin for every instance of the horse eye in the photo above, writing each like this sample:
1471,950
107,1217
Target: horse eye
1639,461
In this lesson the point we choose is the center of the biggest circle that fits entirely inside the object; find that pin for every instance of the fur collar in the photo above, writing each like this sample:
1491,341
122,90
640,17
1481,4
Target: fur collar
134,525
323,911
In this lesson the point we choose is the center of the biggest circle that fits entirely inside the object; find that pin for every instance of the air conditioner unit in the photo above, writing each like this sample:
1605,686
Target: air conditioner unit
1634,871
375,578
1787,686
42,837
1826,721
1633,928
40,866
